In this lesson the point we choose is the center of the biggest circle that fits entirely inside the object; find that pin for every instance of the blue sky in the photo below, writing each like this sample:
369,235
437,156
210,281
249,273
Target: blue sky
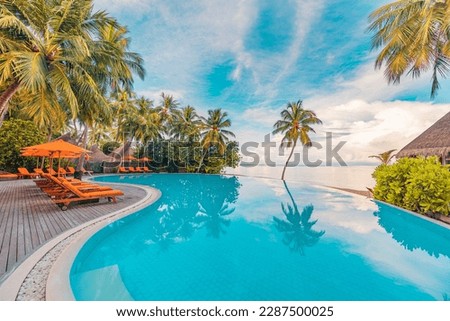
251,57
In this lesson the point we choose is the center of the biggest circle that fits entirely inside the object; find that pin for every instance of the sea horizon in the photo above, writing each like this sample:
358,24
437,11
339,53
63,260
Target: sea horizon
353,176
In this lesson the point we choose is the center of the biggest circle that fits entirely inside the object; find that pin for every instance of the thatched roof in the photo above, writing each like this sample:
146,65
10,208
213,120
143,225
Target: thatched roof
98,156
67,137
122,151
434,141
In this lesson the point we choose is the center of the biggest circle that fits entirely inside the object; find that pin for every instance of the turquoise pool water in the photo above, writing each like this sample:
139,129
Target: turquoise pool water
227,238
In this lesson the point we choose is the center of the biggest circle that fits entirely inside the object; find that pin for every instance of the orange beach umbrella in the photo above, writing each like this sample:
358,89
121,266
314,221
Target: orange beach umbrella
54,149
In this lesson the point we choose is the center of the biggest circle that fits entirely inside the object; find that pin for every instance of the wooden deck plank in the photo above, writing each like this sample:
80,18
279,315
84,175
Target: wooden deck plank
28,218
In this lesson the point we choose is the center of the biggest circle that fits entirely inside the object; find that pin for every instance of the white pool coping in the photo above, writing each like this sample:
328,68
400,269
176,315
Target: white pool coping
58,285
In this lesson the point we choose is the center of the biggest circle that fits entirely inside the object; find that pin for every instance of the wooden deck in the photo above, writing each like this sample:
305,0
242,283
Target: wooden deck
28,218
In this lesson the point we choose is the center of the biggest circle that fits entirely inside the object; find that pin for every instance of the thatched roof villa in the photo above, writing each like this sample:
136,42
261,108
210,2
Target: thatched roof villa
435,141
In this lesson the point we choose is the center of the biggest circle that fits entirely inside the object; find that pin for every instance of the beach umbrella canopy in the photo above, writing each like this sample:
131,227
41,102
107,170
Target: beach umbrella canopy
54,149
144,159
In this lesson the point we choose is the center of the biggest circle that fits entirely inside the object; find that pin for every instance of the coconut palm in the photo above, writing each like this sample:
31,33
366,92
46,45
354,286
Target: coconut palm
386,157
147,120
168,110
214,133
414,39
44,46
295,124
113,66
186,126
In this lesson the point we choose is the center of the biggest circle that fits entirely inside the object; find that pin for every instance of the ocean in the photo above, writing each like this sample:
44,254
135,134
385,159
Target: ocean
354,177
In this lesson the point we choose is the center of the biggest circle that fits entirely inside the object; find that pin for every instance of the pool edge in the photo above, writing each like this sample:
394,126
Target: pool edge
58,282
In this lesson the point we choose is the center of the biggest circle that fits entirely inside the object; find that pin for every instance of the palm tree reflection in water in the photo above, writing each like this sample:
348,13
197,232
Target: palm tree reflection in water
196,206
298,227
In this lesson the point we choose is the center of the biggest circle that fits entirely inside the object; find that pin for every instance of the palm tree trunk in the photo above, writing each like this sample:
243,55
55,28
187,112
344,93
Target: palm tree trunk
201,161
83,155
289,158
5,98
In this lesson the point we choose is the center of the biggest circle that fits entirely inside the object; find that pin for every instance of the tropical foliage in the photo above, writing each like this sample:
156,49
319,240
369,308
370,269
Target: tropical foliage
66,67
417,184
295,124
188,142
414,38
385,157
14,135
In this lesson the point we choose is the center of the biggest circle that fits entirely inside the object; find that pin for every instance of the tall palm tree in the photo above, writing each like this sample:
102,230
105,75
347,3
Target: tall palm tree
168,110
214,133
295,124
113,66
414,38
125,110
187,125
148,121
386,157
44,46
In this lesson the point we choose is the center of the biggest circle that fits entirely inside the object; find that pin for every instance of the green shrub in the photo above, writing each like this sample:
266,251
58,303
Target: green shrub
14,135
417,184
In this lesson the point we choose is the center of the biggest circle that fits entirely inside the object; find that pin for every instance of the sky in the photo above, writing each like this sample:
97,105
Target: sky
252,57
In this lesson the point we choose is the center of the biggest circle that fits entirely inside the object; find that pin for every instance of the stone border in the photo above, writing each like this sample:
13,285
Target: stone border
40,261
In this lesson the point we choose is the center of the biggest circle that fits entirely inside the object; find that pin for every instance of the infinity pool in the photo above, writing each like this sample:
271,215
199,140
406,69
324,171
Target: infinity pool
227,238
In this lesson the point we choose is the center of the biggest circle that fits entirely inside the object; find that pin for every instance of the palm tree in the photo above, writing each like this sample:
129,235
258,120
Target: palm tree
414,38
168,110
125,110
186,126
214,134
44,46
385,158
148,121
295,124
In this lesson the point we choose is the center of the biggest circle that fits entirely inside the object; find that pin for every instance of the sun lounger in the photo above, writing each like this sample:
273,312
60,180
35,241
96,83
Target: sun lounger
23,173
140,169
123,170
85,171
6,175
145,168
76,194
62,172
51,171
38,171
71,171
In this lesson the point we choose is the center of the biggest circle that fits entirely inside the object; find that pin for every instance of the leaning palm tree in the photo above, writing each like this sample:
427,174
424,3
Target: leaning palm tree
414,39
295,124
44,46
214,133
386,157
